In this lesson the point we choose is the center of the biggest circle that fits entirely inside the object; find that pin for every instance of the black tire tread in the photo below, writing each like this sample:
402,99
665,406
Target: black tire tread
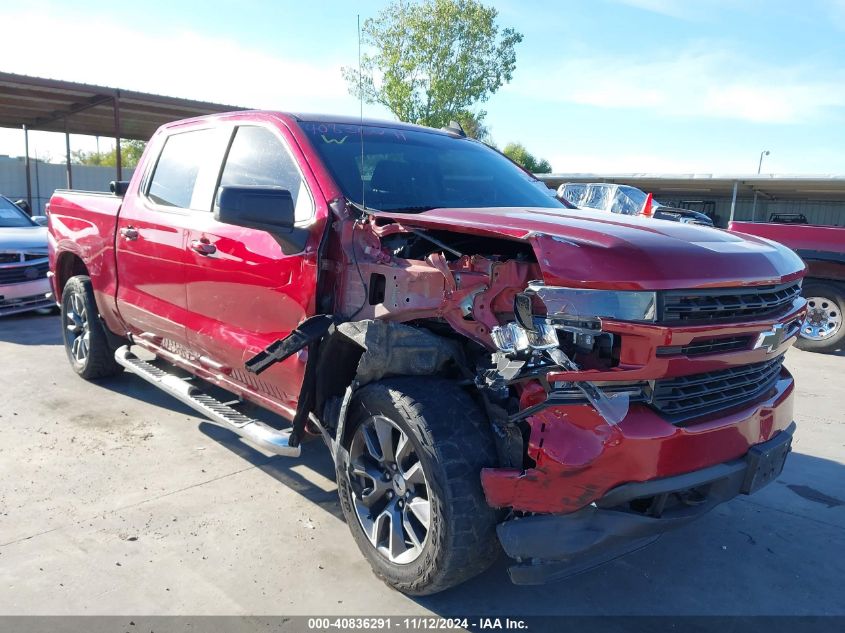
456,435
100,362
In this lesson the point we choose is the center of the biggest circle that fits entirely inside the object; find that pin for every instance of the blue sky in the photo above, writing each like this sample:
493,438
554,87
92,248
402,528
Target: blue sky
673,86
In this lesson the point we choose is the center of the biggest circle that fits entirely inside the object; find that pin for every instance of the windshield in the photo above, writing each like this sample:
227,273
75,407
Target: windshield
410,170
11,215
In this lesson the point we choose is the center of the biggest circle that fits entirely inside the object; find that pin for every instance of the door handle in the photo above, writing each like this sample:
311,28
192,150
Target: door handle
203,247
129,233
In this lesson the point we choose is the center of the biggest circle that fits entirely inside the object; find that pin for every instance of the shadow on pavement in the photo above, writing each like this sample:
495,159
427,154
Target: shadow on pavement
31,329
315,457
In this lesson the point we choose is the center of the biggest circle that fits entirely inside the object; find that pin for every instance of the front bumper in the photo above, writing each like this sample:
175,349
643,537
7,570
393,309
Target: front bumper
579,458
551,547
30,295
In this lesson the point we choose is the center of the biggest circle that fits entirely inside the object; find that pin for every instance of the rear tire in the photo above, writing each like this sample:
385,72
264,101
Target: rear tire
449,440
824,328
84,335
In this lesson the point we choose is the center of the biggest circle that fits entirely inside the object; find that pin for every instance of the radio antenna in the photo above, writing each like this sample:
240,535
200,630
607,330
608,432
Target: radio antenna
361,105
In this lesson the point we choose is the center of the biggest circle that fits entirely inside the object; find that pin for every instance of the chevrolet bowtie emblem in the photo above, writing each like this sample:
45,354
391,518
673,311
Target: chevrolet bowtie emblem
773,339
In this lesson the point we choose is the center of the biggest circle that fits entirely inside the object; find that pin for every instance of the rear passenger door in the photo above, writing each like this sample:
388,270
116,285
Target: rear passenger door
150,239
243,291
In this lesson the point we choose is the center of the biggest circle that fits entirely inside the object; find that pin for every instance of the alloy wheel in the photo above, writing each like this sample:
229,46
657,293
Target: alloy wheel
78,331
390,490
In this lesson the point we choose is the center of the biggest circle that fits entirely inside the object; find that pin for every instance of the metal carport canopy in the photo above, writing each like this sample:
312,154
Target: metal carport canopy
772,186
37,103
63,106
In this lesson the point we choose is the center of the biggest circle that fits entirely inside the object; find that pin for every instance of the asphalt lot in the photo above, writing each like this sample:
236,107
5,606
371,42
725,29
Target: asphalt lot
116,499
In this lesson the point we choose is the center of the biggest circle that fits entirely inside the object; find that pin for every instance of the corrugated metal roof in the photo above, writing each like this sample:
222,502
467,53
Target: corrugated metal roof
46,104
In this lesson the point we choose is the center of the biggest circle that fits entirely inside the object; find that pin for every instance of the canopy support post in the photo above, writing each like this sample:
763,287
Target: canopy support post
26,167
733,202
118,161
67,158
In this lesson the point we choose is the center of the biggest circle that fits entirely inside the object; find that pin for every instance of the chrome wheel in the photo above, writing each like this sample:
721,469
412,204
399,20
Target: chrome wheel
824,319
389,489
78,331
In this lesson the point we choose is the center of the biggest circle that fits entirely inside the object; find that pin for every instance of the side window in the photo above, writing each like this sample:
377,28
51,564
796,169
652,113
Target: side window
258,158
597,197
175,177
622,203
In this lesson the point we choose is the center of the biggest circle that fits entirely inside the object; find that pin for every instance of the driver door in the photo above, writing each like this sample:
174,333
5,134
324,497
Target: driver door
244,291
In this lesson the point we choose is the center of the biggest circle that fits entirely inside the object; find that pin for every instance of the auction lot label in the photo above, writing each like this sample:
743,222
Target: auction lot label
295,624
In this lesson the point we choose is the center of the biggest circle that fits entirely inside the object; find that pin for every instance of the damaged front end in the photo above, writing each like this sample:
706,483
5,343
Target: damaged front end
571,324
578,383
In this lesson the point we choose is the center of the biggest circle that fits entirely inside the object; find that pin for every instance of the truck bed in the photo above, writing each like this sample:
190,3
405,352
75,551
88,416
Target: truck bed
82,223
802,238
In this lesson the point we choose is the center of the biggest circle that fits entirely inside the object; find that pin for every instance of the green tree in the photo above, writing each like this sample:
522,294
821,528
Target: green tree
130,154
518,154
473,125
433,59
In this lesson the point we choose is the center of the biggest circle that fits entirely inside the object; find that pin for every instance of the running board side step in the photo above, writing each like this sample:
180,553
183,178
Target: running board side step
256,432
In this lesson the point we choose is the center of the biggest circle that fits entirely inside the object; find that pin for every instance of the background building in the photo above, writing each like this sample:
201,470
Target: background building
47,177
820,198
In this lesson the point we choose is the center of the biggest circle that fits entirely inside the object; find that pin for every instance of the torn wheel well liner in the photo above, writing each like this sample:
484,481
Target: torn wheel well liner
362,352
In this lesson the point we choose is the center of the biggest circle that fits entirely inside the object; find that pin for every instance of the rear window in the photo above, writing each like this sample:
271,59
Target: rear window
175,177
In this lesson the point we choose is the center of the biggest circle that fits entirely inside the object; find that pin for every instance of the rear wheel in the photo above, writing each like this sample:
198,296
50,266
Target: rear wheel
86,344
410,484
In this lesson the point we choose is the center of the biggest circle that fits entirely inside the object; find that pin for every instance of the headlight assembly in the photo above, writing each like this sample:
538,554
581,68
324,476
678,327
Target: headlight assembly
512,337
621,305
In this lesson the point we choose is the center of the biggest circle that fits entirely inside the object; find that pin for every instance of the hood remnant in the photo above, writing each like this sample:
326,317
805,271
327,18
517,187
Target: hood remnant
616,251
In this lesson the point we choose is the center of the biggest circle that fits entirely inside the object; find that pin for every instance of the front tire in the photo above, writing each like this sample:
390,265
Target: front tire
84,336
410,486
824,328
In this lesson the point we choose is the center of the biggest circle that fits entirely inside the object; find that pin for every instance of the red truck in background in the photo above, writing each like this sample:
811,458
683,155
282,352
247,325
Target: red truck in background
823,250
489,369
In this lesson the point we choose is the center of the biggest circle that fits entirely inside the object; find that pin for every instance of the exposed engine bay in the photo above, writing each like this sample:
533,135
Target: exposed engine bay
489,290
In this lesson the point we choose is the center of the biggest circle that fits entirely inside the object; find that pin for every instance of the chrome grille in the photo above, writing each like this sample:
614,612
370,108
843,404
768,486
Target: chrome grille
706,346
680,399
726,303
23,273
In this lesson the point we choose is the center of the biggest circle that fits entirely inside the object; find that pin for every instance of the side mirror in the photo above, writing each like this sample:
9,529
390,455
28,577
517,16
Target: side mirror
24,206
265,208
119,187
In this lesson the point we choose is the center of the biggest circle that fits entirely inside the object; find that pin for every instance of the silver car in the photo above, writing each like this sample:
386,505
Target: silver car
23,262
624,199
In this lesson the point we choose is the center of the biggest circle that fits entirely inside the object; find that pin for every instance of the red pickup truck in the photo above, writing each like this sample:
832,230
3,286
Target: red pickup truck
823,250
489,369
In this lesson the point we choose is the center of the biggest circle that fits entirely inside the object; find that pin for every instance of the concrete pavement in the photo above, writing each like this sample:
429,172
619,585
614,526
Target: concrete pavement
115,499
